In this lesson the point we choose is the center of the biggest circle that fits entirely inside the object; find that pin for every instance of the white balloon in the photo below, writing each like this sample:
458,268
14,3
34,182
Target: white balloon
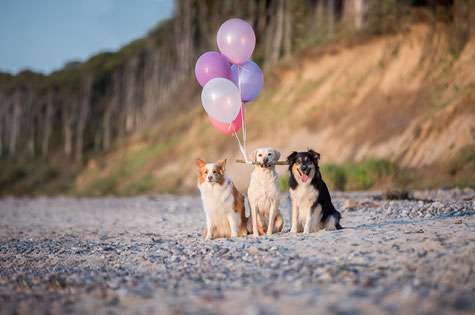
221,99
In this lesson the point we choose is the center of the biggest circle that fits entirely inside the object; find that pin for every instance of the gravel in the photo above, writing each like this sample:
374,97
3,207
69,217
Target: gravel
146,255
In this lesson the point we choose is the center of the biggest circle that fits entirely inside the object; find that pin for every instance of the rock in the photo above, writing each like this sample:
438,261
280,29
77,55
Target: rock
398,195
422,253
350,204
253,250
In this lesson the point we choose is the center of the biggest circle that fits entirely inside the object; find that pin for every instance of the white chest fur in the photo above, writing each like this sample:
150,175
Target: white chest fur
263,187
217,199
303,198
304,195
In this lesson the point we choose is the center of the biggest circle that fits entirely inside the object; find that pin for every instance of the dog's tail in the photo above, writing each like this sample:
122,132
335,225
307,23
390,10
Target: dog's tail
338,225
247,208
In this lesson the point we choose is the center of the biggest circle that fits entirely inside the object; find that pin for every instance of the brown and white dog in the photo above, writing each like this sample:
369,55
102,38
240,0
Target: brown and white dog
223,204
263,193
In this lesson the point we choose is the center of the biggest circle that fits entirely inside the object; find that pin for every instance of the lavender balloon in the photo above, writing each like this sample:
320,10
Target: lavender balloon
249,78
211,65
236,40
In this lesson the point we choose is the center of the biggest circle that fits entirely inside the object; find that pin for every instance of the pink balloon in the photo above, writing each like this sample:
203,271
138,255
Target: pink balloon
236,40
211,65
228,129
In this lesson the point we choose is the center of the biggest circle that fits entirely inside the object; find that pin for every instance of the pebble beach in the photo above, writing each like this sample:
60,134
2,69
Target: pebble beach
145,255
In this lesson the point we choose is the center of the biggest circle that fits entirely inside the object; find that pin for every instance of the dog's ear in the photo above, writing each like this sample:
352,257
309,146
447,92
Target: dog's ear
221,164
292,157
277,154
253,156
200,163
315,155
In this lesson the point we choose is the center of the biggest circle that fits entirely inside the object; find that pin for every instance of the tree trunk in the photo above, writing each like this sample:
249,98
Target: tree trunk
82,118
331,17
67,117
279,31
130,75
30,123
14,124
287,29
2,124
47,124
112,108
354,12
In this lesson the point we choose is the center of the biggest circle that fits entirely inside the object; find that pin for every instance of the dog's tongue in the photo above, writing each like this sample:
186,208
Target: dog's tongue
304,178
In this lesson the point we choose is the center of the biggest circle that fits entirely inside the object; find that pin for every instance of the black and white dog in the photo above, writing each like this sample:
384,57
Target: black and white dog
312,208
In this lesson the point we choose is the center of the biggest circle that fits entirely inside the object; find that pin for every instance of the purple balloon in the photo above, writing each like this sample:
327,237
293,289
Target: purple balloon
249,78
211,65
236,40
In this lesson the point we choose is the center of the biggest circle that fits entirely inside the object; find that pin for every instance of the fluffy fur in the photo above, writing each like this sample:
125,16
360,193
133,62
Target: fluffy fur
223,204
312,208
263,194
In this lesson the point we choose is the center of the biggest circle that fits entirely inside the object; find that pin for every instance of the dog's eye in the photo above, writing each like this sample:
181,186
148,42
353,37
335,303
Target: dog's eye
206,172
259,155
214,172
269,154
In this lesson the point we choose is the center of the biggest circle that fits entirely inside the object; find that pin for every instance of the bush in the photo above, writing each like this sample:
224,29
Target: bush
359,176
335,175
284,183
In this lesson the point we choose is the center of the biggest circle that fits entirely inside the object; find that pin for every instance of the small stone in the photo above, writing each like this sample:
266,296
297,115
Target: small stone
350,204
422,253
253,250
458,221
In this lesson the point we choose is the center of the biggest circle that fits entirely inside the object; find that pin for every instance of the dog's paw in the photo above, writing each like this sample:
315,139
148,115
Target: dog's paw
293,231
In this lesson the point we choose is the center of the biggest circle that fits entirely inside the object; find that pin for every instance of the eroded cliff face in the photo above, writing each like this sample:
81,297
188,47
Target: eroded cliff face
404,96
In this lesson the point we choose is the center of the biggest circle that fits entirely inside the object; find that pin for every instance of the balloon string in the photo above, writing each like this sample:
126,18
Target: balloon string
244,131
241,148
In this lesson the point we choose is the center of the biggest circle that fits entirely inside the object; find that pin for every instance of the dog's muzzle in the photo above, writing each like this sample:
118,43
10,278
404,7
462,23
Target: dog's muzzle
211,179
266,163
304,172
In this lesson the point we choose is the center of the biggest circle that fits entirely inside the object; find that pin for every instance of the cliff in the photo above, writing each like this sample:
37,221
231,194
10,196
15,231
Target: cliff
353,79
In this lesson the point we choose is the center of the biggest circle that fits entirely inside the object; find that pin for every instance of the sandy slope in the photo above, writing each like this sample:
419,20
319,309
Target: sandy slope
401,97
143,255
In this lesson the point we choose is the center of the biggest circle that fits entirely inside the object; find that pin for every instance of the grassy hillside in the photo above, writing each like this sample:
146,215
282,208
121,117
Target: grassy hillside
392,111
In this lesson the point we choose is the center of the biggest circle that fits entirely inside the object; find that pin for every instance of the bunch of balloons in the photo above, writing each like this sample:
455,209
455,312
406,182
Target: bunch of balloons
229,79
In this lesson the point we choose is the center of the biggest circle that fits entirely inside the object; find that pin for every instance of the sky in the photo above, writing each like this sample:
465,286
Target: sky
43,35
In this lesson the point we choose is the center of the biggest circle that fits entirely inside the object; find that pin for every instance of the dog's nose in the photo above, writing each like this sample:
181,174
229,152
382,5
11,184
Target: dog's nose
266,159
304,167
210,177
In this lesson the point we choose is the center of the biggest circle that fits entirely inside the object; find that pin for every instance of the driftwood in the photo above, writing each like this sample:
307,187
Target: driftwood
254,163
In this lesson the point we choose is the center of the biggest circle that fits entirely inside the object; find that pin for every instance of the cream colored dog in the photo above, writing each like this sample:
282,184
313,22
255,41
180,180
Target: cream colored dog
263,194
